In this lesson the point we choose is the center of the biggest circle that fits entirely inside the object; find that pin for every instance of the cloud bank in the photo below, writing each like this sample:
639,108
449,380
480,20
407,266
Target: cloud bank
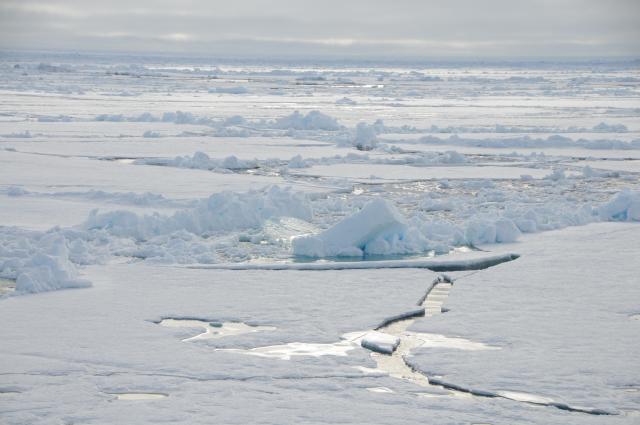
284,28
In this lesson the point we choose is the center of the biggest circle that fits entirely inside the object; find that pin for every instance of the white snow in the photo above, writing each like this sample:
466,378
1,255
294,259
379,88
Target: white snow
560,310
224,195
366,137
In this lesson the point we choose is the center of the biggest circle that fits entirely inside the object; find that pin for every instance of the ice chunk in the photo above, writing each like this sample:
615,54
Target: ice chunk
151,134
297,162
610,128
346,101
378,222
526,225
16,191
314,120
366,137
438,205
625,206
380,342
200,161
38,262
556,175
506,231
480,232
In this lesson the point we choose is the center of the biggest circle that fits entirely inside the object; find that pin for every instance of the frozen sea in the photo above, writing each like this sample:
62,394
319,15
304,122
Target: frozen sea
206,241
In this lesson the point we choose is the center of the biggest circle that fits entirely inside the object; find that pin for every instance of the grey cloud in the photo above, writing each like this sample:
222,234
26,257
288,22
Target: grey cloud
493,28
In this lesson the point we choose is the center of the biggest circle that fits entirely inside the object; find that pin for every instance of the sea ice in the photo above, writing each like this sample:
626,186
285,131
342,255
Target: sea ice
374,229
625,206
380,342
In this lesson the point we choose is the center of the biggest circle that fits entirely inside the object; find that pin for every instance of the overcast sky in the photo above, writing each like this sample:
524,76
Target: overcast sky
284,28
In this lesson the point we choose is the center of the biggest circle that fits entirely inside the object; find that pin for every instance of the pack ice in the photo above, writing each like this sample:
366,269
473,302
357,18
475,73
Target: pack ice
265,242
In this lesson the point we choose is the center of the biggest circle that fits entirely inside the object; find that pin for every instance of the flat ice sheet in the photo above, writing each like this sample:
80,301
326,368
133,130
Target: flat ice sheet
562,314
100,145
119,349
632,166
561,152
42,213
47,173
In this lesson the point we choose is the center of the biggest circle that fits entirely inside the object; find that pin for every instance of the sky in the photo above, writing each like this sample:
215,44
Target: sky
473,29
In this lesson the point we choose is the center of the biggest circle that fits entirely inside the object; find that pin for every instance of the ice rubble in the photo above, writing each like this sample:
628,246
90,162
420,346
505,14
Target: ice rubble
223,211
201,161
150,134
38,262
346,101
23,135
316,124
484,231
625,206
555,141
366,137
314,120
42,261
177,117
500,128
380,229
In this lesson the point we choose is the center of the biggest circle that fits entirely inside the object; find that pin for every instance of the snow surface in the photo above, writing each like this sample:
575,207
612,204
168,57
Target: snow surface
167,194
561,316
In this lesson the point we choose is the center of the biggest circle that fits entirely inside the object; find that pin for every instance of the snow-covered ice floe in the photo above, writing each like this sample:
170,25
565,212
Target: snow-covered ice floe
42,261
274,236
379,228
538,312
